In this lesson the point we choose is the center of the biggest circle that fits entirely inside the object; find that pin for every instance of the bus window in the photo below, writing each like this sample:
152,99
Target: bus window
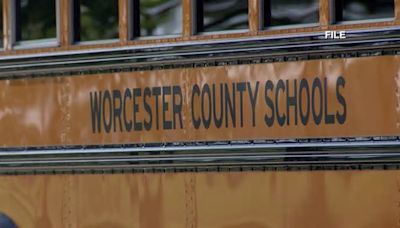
1,24
35,19
290,12
160,17
221,15
96,20
353,10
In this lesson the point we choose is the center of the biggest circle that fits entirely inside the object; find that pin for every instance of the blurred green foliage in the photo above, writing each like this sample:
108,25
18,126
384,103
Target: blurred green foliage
98,19
37,19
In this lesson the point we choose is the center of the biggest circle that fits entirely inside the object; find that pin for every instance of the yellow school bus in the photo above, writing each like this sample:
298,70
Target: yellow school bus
199,113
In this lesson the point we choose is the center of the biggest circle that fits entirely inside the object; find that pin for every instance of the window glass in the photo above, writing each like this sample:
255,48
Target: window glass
291,12
219,15
160,17
1,23
98,20
36,19
366,9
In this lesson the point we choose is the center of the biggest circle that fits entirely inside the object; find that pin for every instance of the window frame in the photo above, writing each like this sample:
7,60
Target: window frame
34,43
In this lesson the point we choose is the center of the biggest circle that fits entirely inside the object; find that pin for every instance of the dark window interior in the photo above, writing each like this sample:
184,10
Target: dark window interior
35,19
95,19
157,17
221,15
352,10
1,23
290,12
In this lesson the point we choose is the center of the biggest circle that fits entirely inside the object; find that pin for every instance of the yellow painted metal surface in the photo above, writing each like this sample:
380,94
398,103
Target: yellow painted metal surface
320,98
254,199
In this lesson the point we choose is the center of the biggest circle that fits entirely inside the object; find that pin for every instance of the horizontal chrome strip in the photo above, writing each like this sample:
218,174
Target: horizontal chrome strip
243,157
209,146
173,55
207,160
267,39
290,154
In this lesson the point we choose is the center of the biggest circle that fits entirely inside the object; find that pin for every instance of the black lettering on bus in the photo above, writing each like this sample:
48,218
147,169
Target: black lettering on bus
329,118
195,92
269,120
95,108
128,124
230,105
241,87
218,120
206,118
166,91
137,126
281,118
253,100
317,116
107,121
291,101
341,117
156,93
304,115
117,110
147,108
177,106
